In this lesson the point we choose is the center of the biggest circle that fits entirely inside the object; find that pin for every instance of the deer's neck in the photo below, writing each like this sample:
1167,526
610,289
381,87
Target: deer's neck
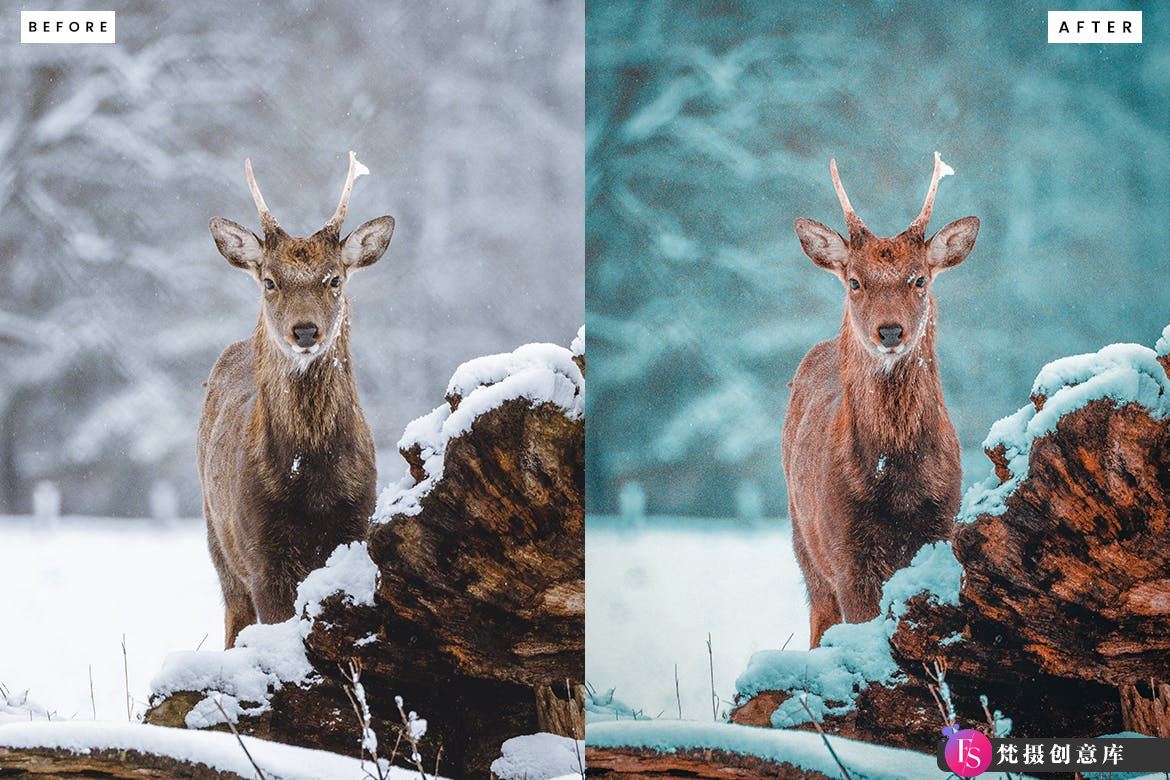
302,408
889,407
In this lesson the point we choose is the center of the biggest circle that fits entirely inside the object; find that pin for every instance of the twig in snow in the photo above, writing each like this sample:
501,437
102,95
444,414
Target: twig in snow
714,696
126,677
92,700
677,695
943,693
580,761
239,739
356,693
414,728
786,641
824,738
201,641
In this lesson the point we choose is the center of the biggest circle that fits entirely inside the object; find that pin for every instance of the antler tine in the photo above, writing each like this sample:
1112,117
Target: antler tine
268,222
918,226
338,217
852,221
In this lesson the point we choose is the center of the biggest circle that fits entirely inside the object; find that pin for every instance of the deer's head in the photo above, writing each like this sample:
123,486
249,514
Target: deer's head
888,280
302,280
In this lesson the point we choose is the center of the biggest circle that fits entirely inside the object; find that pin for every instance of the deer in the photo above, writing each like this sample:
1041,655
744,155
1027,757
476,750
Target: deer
285,457
870,456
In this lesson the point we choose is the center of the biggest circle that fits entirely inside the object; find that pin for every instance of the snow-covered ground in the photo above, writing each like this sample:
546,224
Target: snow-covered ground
71,592
653,594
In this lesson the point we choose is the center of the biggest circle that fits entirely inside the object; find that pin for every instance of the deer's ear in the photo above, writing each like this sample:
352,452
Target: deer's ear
367,242
823,245
236,243
951,245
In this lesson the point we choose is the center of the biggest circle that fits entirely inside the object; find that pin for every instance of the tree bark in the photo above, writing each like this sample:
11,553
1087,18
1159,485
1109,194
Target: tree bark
115,764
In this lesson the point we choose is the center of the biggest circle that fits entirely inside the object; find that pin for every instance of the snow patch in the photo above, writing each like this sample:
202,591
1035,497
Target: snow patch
540,755
266,656
577,347
349,570
944,169
1162,347
603,706
359,169
19,708
538,373
852,656
1124,373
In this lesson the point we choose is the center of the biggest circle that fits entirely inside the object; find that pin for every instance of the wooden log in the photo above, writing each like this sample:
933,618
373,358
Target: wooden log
642,763
561,714
1146,708
114,764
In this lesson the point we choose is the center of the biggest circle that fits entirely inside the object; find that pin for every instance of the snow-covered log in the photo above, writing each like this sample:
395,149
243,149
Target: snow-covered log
467,599
657,748
65,749
1051,598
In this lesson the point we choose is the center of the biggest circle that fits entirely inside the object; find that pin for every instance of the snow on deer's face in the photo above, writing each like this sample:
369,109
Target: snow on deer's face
887,280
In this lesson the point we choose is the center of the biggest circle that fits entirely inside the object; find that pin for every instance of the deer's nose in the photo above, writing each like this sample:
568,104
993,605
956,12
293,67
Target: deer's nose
305,333
891,335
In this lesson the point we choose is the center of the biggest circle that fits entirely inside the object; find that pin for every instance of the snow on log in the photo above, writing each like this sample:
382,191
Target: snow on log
662,748
467,598
131,750
1060,614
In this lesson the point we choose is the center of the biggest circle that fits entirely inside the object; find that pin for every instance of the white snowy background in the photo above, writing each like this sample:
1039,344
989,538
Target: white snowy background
76,588
709,130
115,302
655,590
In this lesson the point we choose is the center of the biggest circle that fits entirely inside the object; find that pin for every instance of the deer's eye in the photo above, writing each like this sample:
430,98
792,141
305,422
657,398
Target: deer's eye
269,284
335,281
920,281
854,284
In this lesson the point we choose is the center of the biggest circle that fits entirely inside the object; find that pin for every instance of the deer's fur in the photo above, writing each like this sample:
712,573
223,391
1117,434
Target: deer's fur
870,456
285,456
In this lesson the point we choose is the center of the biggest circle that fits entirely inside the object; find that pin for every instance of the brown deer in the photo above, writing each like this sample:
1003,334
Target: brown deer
870,456
285,456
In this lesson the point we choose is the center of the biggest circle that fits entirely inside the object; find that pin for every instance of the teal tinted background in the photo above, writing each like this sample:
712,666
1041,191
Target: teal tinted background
709,127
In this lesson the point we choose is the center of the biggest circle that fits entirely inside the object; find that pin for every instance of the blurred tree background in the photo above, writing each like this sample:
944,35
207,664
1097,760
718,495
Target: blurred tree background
115,303
709,127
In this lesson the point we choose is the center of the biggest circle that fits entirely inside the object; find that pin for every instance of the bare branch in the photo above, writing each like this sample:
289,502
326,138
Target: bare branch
239,739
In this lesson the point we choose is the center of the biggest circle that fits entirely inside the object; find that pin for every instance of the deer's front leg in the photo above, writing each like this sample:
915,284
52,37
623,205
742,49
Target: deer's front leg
273,595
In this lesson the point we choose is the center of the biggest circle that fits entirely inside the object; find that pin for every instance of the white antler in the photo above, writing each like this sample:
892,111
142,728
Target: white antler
852,221
941,169
268,222
355,169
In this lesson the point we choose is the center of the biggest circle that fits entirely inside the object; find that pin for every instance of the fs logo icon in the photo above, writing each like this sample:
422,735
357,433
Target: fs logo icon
968,752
